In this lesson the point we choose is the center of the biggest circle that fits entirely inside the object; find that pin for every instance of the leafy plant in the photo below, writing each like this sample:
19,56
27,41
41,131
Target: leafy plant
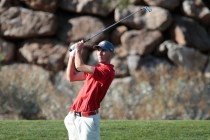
123,4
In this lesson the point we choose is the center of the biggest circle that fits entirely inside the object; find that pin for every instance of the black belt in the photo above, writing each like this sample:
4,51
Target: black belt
85,114
79,114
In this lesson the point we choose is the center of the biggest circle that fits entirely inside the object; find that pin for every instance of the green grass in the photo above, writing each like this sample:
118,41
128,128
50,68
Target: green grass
110,130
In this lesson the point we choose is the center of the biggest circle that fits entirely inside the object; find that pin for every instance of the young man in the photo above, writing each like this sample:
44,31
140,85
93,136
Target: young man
83,120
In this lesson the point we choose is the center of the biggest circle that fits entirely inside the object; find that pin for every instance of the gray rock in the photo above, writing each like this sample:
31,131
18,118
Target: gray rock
162,48
66,90
158,19
190,33
151,64
23,23
100,7
117,33
187,57
7,51
133,63
120,66
168,4
77,29
141,41
197,10
46,53
42,5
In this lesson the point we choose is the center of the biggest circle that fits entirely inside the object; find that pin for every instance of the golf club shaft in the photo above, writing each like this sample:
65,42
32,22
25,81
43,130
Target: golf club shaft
98,33
111,26
148,9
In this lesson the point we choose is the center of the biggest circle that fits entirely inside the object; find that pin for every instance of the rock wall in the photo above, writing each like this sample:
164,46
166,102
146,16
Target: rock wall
175,34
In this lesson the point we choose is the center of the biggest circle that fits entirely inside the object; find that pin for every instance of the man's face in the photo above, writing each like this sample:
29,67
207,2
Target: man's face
104,56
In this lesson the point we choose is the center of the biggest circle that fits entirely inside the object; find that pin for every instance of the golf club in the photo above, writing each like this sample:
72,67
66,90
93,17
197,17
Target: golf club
147,8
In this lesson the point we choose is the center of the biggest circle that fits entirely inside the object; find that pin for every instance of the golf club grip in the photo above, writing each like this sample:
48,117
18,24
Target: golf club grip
86,40
72,48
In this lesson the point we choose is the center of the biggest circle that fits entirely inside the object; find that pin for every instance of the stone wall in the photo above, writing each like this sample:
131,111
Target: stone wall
175,34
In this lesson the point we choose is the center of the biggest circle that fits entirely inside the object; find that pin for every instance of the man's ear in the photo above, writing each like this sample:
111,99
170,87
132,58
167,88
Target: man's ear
112,55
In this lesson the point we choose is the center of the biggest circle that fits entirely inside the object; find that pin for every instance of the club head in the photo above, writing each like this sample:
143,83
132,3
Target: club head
148,9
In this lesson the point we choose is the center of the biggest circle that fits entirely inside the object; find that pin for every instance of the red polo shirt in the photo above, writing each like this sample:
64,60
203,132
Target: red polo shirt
94,88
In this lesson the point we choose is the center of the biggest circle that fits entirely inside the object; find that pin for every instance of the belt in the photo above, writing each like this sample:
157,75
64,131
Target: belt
85,114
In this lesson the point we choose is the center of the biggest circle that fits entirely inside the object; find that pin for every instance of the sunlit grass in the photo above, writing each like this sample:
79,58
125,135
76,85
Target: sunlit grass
110,130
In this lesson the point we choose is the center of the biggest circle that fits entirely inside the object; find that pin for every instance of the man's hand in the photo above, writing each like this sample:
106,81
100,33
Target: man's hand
79,45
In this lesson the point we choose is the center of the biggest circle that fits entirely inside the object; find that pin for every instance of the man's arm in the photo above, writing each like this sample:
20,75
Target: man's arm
71,74
79,64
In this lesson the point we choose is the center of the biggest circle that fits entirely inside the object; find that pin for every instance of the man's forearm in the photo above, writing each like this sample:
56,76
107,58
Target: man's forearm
78,59
70,68
79,63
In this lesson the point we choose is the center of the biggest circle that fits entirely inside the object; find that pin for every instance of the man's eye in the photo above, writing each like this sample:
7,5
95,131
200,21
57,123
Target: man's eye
103,50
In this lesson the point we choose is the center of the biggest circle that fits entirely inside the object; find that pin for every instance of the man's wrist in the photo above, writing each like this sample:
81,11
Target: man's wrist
78,50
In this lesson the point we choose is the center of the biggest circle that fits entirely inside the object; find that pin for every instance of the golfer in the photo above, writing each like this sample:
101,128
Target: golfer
83,120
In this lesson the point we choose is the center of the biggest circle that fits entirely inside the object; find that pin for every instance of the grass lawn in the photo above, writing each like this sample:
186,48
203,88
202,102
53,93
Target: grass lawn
110,130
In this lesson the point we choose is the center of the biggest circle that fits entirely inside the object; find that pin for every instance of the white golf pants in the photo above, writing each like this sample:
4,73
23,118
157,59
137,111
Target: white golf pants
83,128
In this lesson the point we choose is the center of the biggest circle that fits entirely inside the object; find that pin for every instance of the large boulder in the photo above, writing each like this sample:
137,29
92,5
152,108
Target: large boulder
99,7
158,19
141,41
197,10
42,5
77,29
18,22
168,4
190,33
46,53
117,33
186,57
